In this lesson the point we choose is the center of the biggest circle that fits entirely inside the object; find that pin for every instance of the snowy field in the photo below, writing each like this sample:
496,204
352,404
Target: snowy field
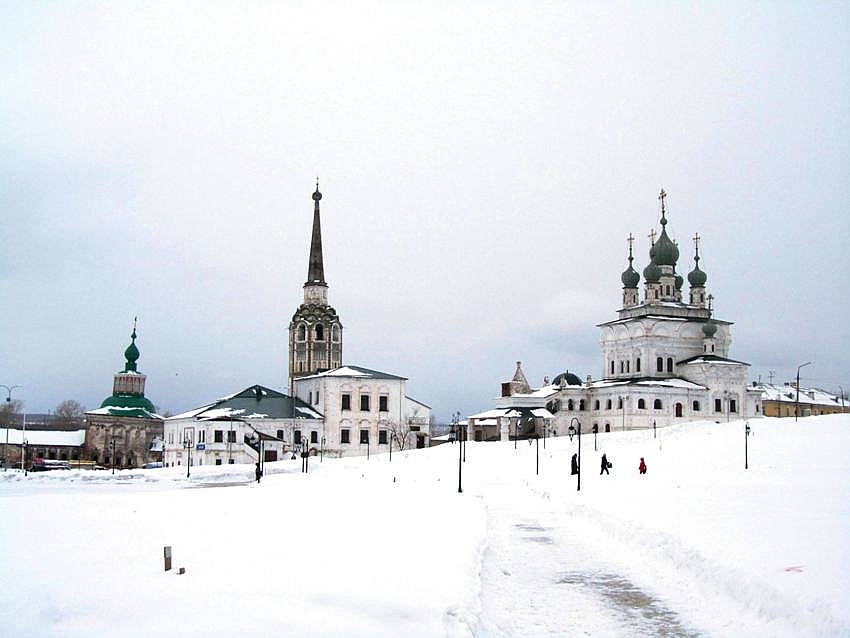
698,546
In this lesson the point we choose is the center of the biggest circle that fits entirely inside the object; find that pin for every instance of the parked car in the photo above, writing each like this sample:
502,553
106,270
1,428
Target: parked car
49,464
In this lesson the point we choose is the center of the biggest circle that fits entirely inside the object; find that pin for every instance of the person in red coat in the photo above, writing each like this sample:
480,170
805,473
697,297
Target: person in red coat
642,466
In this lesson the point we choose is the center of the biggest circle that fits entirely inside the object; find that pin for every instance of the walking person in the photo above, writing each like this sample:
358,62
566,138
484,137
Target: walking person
642,466
605,465
574,464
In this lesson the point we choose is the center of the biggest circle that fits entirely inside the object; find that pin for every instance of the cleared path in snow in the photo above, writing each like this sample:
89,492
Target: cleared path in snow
538,578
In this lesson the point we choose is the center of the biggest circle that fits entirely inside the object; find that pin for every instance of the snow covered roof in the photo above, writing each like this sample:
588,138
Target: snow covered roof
669,382
525,413
788,393
710,358
44,437
126,411
254,402
354,371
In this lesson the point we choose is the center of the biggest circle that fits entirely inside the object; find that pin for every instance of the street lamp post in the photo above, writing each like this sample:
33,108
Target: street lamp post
654,435
112,452
456,425
797,402
187,443
8,414
537,453
746,436
464,429
595,432
322,451
572,430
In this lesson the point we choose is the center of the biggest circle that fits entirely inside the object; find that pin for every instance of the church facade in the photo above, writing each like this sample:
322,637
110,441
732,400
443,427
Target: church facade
665,359
125,430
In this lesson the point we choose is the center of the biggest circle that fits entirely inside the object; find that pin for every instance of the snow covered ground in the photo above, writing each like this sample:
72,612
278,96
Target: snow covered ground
698,546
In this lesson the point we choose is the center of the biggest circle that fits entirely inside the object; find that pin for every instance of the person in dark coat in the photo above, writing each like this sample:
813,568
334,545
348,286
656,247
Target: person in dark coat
642,466
258,472
604,465
574,464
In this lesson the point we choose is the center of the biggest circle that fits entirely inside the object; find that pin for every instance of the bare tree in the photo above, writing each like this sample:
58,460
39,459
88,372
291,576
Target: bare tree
8,409
400,432
69,410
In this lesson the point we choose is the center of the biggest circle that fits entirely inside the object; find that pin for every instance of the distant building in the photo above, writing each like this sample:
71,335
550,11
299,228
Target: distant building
664,361
126,427
364,409
234,429
58,445
784,400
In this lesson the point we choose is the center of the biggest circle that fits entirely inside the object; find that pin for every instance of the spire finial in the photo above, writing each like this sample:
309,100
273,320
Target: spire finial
135,321
631,241
652,236
662,196
696,246
316,269
710,301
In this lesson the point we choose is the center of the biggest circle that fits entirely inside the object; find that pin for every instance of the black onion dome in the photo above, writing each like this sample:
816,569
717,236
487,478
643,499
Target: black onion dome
568,377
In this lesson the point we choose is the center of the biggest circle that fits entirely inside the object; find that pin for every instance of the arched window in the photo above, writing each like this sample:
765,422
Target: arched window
657,404
335,332
581,405
596,404
637,365
669,364
696,406
302,332
570,405
608,404
607,427
619,403
628,366
678,409
612,366
659,364
641,404
320,332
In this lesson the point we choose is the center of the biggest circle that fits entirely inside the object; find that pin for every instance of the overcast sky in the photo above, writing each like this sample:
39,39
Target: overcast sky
481,167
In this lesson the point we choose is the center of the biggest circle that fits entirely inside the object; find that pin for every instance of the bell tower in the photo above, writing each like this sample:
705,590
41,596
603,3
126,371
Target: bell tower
315,332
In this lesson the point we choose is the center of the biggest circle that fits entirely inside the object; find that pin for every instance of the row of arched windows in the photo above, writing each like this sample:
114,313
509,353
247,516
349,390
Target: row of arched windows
626,366
318,332
657,404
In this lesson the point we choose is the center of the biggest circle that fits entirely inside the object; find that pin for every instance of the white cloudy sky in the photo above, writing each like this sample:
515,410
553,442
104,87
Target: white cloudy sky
481,167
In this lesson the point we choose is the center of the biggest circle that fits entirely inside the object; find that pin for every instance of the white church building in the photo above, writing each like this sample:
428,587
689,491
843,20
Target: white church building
665,360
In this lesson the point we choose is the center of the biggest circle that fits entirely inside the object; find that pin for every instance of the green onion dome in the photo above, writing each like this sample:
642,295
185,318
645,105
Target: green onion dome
697,277
679,281
709,328
652,273
131,354
630,277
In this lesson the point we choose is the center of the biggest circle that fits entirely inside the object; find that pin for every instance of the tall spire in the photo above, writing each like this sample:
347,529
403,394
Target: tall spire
316,270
